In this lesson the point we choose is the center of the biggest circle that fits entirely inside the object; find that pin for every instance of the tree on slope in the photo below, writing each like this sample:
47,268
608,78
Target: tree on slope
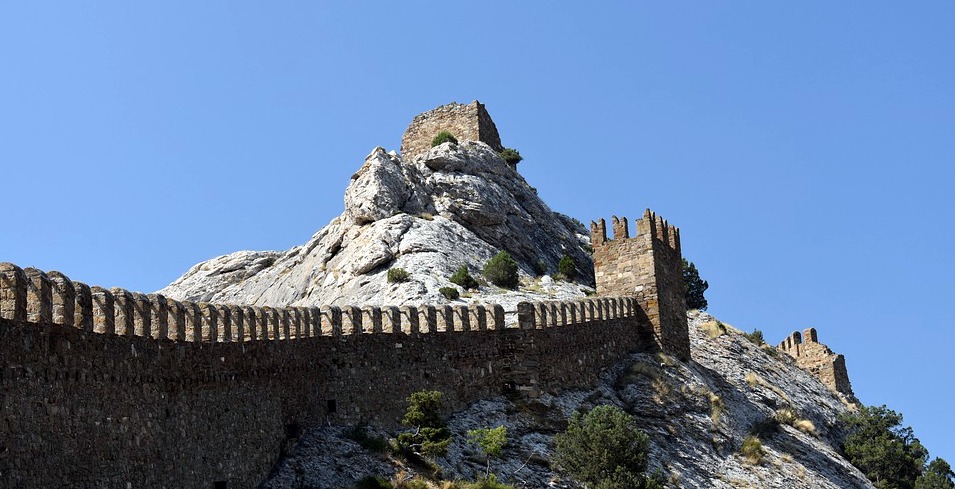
938,475
604,449
694,287
877,444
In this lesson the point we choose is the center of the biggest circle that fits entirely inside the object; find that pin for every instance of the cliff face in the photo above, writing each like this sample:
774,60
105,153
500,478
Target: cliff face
457,204
697,415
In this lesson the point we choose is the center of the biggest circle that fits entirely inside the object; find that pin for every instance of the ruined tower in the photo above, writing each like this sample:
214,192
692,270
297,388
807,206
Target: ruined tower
465,122
647,266
818,359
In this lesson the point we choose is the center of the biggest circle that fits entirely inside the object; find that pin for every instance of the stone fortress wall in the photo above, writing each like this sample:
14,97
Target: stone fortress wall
108,388
648,267
817,358
465,122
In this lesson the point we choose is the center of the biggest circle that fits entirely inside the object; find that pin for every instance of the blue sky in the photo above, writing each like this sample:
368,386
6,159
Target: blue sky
805,149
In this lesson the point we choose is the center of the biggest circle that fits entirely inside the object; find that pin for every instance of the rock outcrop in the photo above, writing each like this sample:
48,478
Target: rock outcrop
457,204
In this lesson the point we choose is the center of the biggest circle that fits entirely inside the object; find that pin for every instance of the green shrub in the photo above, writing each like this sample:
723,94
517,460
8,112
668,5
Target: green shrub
431,436
756,337
359,434
450,293
511,156
540,268
491,441
605,449
463,278
396,275
568,268
374,482
502,270
694,287
443,137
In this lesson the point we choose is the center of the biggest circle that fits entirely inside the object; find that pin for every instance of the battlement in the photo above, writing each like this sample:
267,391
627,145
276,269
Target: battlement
465,122
650,226
122,376
647,266
818,359
33,296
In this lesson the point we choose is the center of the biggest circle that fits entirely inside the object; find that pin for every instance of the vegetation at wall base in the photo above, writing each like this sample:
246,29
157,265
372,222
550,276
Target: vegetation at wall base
694,287
491,441
431,435
511,156
540,268
568,268
397,275
501,270
443,137
463,278
605,449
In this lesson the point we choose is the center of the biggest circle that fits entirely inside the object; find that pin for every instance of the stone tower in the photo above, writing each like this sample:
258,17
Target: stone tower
465,122
649,267
818,359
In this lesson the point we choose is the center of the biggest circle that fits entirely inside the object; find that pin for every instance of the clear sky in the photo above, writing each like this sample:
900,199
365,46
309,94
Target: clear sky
805,149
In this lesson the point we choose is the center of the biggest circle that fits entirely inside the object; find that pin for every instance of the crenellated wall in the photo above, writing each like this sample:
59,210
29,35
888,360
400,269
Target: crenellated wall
465,122
818,359
108,388
647,266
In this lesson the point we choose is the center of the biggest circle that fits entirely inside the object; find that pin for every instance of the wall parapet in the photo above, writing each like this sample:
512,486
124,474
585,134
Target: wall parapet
121,376
34,296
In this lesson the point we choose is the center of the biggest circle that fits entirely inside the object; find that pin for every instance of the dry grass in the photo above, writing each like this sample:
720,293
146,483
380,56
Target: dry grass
717,407
753,379
661,386
752,450
805,426
789,416
713,329
667,360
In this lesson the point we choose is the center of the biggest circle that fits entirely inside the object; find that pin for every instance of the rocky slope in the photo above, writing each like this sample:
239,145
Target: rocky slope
458,204
696,414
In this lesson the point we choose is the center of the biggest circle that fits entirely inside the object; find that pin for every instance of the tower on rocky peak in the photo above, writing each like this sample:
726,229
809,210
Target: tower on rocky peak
464,121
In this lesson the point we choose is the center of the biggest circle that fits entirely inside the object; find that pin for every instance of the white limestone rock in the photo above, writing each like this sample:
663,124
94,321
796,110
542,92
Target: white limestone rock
459,204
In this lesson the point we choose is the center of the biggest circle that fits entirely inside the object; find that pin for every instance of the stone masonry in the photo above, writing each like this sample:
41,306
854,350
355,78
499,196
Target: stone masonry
108,388
817,358
647,266
465,122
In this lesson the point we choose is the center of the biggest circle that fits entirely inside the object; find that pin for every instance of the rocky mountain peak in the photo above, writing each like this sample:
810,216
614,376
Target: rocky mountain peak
455,204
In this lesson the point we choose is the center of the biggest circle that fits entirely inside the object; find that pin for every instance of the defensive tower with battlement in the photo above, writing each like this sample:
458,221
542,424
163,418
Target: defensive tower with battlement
818,359
464,121
647,266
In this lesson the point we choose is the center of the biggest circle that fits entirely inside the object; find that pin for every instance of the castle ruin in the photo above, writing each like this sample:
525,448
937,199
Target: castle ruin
110,388
818,359
465,122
